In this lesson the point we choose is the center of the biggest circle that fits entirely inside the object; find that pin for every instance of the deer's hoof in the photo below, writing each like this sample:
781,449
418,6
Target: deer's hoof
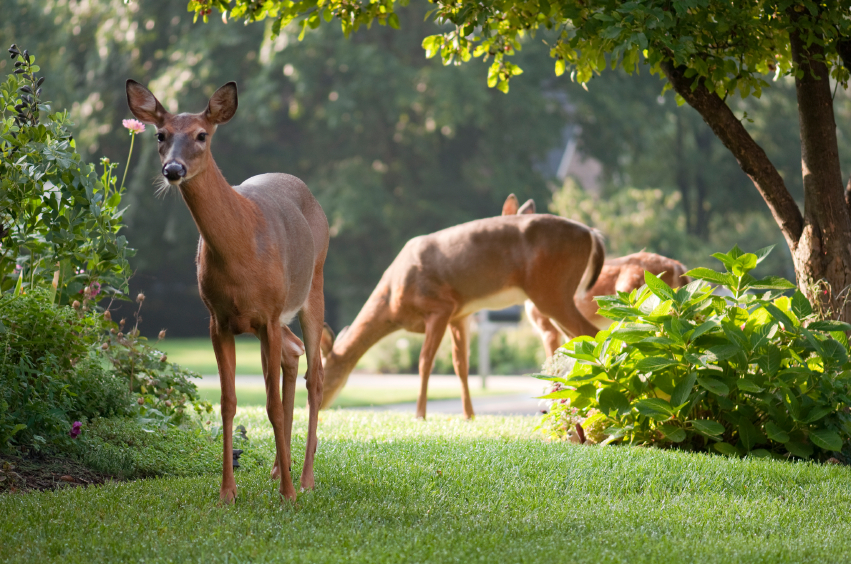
228,494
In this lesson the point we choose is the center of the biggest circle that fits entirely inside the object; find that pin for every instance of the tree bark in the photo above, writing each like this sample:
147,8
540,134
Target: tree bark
824,249
819,239
751,157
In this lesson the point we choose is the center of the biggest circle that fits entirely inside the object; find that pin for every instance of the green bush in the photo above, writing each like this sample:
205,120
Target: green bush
49,375
59,219
747,374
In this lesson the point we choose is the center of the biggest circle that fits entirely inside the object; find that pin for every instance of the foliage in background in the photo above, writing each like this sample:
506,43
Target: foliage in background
59,219
749,374
392,145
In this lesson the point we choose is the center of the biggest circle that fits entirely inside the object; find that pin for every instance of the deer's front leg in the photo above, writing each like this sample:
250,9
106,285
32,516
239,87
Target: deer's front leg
270,354
460,331
223,346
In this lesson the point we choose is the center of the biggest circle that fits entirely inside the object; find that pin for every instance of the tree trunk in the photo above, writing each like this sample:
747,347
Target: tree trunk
820,240
823,252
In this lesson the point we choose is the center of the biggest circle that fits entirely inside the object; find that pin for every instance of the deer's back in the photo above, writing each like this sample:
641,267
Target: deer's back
487,255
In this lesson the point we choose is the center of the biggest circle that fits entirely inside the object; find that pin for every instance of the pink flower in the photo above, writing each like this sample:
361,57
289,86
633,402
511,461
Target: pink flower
135,126
75,430
95,288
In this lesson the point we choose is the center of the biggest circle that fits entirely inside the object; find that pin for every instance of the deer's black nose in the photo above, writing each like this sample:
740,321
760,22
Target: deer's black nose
174,170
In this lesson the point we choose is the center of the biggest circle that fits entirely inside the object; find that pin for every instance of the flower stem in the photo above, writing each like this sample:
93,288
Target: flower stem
132,138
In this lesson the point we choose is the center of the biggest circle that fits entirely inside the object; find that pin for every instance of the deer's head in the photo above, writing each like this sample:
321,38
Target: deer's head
183,139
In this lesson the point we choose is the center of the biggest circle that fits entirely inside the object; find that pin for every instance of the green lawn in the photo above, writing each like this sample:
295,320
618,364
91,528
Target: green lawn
392,489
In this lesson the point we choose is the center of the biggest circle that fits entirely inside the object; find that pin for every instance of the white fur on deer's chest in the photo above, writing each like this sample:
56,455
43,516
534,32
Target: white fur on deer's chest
500,300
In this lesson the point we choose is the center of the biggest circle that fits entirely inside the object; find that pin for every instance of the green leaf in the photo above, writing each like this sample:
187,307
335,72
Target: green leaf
744,264
801,306
727,449
772,283
759,453
829,325
827,439
672,433
816,413
561,394
775,433
799,449
653,363
657,286
780,316
683,390
655,408
762,253
747,385
715,386
712,276
703,328
722,352
708,427
611,399
749,434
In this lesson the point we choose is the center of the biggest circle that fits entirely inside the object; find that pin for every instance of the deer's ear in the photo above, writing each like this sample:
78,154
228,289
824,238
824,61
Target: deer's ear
528,207
144,105
510,206
223,103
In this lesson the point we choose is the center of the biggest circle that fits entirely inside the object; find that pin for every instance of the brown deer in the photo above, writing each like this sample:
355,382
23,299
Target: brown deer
260,259
622,274
439,280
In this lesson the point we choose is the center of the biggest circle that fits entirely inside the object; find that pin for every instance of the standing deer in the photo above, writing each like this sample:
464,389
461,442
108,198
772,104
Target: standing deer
622,274
260,259
438,280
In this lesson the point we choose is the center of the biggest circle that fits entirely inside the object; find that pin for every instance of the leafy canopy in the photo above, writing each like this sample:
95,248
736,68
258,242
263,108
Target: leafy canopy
732,45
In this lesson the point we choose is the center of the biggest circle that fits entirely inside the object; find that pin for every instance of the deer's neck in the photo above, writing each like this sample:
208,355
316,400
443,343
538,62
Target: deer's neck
370,326
221,214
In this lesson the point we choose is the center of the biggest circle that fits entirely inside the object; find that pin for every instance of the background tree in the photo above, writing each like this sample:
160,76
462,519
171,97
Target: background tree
707,50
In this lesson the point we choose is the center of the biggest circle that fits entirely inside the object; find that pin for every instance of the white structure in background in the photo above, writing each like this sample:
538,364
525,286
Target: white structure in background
489,322
586,171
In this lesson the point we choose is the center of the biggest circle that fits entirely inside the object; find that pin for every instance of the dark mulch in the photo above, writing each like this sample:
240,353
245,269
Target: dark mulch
23,474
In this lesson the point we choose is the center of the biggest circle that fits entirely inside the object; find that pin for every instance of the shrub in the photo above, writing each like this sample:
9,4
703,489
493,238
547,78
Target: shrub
747,374
49,376
59,219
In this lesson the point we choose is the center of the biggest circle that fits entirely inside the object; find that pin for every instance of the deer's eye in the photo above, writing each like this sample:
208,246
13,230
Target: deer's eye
202,137
160,137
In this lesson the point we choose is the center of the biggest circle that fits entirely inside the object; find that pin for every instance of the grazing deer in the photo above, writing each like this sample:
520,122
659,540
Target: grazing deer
260,259
439,280
622,274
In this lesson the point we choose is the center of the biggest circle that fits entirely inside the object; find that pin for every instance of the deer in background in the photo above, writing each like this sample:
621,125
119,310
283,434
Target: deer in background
623,274
439,280
260,262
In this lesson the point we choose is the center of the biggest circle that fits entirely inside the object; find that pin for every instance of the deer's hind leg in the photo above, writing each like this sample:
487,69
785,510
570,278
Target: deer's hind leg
271,341
312,319
460,331
292,348
435,328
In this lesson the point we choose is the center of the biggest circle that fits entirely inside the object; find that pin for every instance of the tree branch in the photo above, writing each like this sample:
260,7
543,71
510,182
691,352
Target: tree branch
751,157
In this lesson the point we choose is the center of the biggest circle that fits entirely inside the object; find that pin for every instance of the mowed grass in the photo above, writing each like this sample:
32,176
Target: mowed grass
393,489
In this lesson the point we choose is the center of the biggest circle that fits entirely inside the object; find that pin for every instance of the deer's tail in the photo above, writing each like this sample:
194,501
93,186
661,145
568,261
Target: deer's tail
596,258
